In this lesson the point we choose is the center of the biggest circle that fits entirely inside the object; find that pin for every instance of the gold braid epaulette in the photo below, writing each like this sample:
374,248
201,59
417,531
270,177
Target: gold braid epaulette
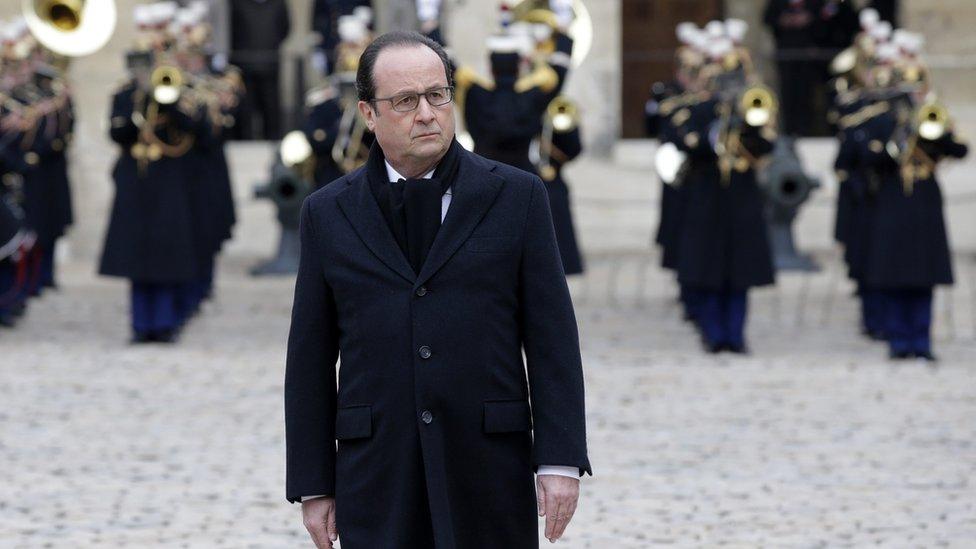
867,113
670,104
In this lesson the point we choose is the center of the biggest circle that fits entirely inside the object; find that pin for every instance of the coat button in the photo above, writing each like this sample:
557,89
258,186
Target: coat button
426,417
421,291
424,352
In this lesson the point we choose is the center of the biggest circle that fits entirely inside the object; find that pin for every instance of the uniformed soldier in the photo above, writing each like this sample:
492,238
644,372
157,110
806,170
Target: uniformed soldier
39,125
664,113
333,127
559,143
507,117
15,242
724,247
504,115
909,252
877,71
325,21
856,94
173,207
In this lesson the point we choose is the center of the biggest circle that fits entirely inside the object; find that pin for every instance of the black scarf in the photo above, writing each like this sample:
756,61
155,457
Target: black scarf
412,207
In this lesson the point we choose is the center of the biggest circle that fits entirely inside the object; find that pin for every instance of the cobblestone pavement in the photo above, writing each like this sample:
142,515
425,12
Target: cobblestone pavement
813,441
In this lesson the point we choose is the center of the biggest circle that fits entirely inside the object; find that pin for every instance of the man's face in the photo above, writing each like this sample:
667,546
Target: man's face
420,136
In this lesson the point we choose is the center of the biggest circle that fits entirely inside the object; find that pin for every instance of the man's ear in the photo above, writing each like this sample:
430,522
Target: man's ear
366,109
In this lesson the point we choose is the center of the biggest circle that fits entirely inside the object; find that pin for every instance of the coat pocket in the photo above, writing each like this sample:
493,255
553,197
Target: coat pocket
489,244
507,416
354,422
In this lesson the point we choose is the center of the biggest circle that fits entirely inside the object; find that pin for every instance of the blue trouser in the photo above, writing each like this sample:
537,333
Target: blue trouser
154,307
722,316
872,309
908,320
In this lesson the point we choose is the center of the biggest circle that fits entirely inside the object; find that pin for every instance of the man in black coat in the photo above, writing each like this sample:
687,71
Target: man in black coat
258,27
429,271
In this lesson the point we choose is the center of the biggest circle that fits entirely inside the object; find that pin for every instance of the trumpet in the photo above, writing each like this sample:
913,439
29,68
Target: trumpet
562,116
932,121
757,106
167,84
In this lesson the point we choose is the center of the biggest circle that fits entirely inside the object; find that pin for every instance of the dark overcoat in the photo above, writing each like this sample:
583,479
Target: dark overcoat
439,422
848,172
321,128
909,244
567,146
673,197
150,233
47,200
723,238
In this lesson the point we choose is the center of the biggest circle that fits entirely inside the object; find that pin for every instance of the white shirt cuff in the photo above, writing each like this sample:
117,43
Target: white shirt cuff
559,470
307,498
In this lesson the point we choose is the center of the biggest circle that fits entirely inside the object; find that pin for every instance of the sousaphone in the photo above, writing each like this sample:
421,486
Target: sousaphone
72,28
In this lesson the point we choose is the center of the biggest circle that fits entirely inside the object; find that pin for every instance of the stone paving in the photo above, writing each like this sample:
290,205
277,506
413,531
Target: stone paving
815,440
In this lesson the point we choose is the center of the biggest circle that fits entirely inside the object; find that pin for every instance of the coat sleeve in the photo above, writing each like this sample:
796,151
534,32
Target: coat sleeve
310,376
551,343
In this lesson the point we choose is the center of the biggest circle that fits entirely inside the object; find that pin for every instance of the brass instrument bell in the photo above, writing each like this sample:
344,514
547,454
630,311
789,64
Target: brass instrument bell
71,28
167,84
932,121
757,106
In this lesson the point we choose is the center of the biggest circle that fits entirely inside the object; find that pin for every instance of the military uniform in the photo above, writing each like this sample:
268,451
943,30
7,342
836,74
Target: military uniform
565,147
506,116
856,206
151,234
909,252
724,246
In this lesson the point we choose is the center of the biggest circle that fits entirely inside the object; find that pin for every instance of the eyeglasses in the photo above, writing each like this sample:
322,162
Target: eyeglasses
406,102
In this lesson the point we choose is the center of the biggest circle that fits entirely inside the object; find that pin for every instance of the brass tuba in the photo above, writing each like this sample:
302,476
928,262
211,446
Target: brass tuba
562,116
71,28
580,29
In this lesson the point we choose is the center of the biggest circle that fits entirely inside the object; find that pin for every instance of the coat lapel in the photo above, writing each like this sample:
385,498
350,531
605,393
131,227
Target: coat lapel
360,208
472,194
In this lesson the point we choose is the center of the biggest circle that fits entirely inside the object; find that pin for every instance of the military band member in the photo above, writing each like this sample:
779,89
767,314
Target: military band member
173,207
506,117
909,253
666,112
723,243
332,126
559,144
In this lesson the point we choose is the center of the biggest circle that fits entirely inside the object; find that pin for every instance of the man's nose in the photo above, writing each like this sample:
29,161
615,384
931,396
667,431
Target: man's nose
425,113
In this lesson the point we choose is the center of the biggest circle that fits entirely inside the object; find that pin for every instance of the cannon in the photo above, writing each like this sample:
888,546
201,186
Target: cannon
290,183
786,188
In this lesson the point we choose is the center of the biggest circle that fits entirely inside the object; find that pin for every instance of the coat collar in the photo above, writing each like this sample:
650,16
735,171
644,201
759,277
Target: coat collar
474,191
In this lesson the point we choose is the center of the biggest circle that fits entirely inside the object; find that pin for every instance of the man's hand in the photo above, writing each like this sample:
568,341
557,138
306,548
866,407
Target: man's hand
557,497
320,521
